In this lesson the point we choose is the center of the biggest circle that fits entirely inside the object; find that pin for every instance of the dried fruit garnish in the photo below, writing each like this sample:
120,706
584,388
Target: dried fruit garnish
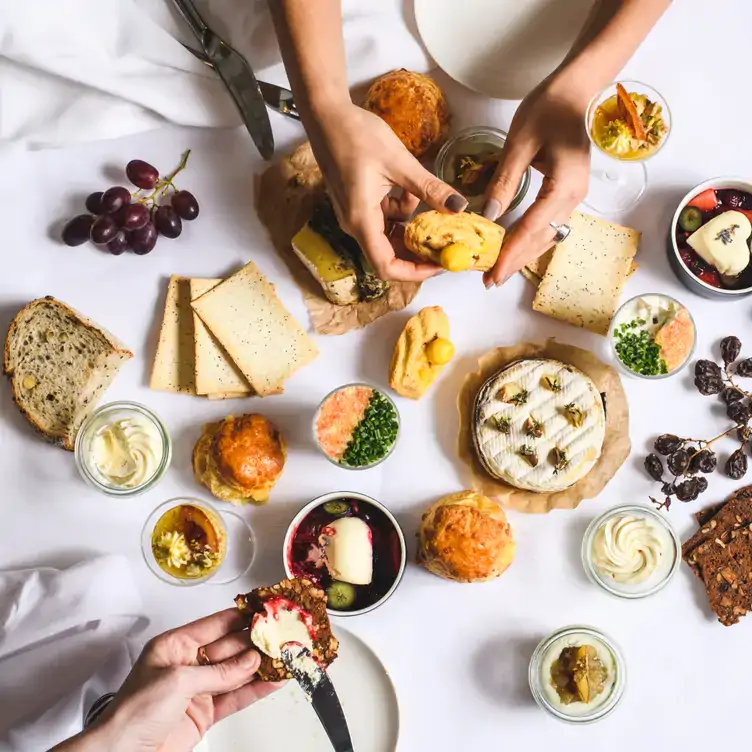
559,460
553,383
533,428
628,110
575,414
500,423
513,394
529,455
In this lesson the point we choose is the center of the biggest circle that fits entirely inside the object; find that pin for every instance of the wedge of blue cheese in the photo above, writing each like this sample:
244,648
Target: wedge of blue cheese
722,243
336,260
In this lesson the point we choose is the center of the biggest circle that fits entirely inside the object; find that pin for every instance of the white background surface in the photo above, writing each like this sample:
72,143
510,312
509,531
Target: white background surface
458,654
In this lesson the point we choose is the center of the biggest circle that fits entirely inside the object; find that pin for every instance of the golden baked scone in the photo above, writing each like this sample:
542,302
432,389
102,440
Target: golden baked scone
465,537
458,242
421,352
240,459
415,108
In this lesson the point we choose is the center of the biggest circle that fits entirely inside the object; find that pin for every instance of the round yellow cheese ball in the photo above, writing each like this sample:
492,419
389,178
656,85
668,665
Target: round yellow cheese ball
439,351
456,257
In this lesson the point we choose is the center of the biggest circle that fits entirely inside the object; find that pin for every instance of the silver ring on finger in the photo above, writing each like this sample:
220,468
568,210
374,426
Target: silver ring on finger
562,231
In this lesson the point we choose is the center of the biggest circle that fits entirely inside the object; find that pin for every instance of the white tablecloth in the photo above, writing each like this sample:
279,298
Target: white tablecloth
457,653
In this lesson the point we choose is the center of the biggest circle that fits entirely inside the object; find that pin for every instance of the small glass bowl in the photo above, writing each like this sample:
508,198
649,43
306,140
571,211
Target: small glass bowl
631,86
538,688
616,322
106,415
476,138
381,459
642,590
239,550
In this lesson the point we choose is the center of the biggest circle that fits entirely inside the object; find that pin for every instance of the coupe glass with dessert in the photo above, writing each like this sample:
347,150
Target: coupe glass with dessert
628,122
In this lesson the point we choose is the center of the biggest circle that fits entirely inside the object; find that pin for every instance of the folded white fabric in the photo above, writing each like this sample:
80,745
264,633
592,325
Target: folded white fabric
82,70
63,643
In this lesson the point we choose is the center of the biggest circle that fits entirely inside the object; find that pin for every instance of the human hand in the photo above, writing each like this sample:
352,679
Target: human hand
172,696
362,161
547,132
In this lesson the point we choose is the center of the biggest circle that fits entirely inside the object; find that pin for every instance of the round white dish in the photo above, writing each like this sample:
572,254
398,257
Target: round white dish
286,721
504,48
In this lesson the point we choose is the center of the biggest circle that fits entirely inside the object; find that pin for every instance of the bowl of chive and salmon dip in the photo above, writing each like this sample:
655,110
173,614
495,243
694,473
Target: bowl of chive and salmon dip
653,336
356,426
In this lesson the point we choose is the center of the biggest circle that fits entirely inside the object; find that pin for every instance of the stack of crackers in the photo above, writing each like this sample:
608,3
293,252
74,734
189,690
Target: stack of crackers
230,338
720,554
580,280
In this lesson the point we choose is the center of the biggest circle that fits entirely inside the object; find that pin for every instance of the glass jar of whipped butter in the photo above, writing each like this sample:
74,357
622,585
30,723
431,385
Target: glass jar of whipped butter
123,449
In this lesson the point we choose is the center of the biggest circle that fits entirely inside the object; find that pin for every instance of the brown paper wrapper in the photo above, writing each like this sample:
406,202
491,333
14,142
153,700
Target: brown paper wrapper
616,444
286,193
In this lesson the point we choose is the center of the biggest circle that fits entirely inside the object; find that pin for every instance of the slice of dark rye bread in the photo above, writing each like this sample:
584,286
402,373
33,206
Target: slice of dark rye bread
720,554
733,515
59,363
310,598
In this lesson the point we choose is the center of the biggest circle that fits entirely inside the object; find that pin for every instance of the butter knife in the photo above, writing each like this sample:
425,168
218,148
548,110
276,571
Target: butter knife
237,76
315,682
277,97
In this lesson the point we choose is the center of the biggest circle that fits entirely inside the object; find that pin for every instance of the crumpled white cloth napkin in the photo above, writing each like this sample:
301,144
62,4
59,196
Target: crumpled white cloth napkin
63,644
82,70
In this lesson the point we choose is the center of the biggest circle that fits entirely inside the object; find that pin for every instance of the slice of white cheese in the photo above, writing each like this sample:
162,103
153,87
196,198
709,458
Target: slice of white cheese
216,374
337,279
174,364
722,242
258,333
499,450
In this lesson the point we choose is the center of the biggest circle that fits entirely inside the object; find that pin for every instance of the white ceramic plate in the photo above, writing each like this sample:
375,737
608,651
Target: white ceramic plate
286,721
501,48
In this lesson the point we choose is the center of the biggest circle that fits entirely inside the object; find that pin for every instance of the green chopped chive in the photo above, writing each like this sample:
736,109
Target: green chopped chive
638,350
374,436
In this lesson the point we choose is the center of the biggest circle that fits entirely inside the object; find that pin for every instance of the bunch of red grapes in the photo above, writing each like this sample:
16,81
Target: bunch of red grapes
119,220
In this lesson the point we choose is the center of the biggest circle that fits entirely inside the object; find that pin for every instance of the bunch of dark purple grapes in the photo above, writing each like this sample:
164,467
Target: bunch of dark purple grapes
687,458
119,220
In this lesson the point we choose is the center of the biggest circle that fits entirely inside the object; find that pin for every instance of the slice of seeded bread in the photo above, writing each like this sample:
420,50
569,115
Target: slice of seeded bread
59,364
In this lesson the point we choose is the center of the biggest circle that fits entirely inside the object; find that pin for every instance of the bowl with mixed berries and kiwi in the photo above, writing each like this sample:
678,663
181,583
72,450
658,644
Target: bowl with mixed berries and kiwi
711,237
352,546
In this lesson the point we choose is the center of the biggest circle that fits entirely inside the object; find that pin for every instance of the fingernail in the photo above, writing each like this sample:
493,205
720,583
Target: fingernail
501,281
489,284
456,203
492,209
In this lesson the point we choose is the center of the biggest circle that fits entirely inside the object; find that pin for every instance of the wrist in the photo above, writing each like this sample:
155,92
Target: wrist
321,102
577,83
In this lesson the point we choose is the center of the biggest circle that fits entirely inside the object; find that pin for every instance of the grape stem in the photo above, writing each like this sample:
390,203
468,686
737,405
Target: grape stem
163,184
732,385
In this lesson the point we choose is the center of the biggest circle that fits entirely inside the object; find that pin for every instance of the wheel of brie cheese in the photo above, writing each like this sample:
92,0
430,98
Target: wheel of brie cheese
539,425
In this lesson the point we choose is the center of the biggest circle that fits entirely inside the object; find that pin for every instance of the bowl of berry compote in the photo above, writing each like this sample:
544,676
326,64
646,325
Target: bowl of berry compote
710,239
352,546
